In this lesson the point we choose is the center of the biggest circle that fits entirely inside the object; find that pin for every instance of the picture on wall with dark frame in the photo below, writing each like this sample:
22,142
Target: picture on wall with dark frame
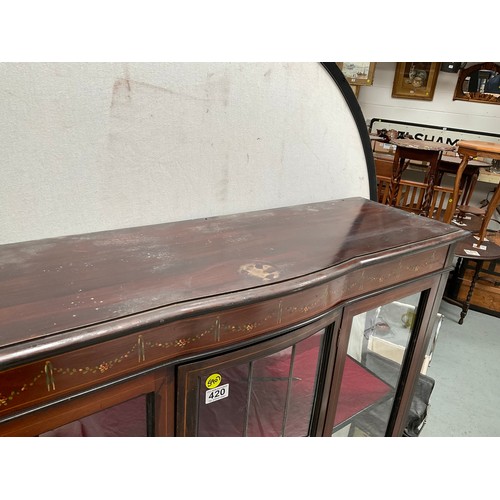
415,80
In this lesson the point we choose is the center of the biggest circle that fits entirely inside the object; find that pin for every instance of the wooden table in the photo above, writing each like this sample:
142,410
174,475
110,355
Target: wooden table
412,149
376,138
471,249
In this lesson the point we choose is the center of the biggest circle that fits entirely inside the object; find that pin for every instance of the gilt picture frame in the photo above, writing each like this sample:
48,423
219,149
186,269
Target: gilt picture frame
358,73
415,80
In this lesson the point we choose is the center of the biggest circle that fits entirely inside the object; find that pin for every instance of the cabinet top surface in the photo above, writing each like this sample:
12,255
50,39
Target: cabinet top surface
59,284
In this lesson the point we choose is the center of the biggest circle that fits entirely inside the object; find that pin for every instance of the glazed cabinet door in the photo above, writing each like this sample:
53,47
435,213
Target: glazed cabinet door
273,388
138,407
385,346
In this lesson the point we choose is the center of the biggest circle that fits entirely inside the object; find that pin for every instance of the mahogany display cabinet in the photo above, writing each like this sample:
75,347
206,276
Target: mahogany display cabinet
253,324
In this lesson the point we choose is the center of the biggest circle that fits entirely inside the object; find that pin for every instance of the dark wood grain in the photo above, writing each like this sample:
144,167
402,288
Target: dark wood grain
55,285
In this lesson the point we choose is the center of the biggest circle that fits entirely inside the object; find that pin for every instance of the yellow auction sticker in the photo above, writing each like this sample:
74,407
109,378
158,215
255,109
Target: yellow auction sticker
213,381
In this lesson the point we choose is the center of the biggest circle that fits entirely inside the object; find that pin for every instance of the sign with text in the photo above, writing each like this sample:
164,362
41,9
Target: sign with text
432,133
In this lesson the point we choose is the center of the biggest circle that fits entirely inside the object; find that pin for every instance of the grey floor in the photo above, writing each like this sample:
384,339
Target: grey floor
465,401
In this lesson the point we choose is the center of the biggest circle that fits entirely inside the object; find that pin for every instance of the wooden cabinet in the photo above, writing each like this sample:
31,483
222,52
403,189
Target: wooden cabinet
134,330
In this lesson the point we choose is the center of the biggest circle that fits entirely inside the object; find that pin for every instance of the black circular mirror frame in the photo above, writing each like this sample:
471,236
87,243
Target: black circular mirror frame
344,86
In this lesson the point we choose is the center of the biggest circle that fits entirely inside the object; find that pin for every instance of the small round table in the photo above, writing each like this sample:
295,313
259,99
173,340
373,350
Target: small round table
468,249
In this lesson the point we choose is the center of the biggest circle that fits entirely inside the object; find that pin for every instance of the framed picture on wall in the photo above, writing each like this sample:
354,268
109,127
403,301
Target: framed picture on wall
415,80
358,73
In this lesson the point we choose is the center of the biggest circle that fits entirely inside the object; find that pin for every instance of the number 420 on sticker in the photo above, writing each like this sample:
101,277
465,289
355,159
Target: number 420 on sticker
216,394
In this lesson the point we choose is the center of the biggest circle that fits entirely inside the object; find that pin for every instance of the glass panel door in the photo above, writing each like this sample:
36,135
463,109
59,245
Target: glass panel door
378,343
268,396
257,391
127,419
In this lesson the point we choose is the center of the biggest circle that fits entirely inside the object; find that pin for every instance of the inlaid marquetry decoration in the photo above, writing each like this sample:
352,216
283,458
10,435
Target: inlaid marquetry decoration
6,398
266,272
50,372
222,328
49,376
217,330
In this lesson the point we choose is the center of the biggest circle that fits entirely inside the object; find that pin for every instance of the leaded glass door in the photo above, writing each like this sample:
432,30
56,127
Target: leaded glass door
269,389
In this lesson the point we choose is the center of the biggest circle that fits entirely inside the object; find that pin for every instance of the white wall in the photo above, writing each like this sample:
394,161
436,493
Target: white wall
95,146
442,111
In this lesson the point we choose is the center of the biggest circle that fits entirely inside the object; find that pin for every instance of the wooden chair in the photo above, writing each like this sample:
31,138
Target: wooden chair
468,150
427,152
410,198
